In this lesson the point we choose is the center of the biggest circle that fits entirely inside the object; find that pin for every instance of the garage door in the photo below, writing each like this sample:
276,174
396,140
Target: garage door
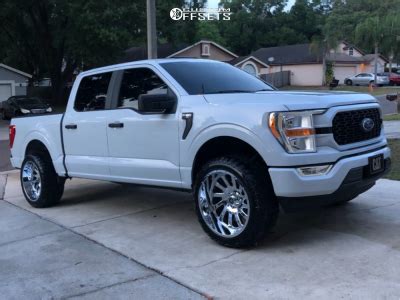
5,91
341,72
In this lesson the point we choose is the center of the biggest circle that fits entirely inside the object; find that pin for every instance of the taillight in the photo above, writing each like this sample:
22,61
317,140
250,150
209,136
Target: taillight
12,132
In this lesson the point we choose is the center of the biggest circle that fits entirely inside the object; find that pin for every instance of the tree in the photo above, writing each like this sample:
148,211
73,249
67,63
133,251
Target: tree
345,16
378,31
54,37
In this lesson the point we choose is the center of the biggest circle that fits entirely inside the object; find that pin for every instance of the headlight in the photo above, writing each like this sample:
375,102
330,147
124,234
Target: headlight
49,109
294,130
25,111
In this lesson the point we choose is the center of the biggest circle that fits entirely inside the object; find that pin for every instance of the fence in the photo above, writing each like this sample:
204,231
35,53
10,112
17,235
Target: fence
277,79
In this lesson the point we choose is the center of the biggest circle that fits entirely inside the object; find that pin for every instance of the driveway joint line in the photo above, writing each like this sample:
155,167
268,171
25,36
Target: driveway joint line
4,189
114,251
110,286
32,237
210,262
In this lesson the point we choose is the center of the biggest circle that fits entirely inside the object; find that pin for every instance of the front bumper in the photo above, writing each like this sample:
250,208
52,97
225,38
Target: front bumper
288,183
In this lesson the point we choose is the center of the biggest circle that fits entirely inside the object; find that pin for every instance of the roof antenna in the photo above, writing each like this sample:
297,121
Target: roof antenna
202,88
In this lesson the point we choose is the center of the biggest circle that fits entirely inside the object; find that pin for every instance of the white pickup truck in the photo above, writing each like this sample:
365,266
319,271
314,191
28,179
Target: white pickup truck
242,147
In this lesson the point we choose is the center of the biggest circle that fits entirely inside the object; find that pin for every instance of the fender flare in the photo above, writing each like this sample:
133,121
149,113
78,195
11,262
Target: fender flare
38,136
224,130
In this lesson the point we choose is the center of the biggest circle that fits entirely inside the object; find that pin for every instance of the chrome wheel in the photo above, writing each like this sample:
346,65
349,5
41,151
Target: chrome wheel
31,181
223,203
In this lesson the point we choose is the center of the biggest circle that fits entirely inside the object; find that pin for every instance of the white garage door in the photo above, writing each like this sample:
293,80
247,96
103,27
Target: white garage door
341,72
5,91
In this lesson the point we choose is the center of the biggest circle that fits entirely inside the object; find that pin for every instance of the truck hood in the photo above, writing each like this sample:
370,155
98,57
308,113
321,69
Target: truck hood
293,100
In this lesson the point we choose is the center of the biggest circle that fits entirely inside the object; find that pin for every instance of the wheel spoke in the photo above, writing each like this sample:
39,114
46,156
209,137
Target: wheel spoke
31,181
224,203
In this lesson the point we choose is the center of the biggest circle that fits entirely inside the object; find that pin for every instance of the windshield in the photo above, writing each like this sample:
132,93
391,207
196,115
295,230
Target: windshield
28,101
200,77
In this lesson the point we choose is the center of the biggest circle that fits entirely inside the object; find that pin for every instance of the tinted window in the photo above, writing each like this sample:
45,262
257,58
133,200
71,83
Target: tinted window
211,77
136,82
92,92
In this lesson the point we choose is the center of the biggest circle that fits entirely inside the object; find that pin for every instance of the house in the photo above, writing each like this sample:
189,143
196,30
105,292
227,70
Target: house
202,49
305,63
12,82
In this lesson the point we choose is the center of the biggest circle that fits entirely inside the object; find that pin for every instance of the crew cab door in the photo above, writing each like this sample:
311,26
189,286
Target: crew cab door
85,128
143,147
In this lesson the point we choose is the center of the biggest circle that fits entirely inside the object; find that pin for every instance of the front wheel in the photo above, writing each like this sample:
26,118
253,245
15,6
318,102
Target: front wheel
235,203
348,82
41,185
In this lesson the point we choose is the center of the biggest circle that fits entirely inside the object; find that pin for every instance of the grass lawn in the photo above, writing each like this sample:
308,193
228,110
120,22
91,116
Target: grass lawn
359,89
395,172
395,117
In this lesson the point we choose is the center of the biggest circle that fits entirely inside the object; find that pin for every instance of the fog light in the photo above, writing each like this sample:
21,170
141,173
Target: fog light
314,170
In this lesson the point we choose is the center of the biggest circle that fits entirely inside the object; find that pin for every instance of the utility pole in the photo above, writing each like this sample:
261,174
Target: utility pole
376,64
151,29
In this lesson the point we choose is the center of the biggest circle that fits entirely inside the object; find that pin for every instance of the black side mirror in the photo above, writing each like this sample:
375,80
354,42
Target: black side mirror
391,97
157,104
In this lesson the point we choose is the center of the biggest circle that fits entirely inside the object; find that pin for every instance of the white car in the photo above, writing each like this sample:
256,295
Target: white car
240,146
367,79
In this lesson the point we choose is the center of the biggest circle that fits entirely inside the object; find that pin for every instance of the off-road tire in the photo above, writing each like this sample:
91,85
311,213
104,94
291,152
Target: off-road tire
264,207
52,186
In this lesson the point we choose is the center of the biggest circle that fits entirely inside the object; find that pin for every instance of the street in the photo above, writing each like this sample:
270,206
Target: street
5,164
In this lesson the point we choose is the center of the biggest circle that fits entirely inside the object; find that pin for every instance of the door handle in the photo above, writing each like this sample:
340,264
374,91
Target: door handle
116,125
71,126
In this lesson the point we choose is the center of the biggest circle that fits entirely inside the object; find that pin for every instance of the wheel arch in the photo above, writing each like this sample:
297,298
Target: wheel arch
224,145
36,147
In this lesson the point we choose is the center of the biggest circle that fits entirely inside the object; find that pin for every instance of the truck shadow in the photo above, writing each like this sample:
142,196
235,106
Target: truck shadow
360,219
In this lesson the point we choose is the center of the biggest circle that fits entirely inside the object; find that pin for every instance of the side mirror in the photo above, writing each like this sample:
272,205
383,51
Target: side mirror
391,97
157,104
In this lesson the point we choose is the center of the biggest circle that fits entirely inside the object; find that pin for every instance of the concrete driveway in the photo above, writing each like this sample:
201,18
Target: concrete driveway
352,251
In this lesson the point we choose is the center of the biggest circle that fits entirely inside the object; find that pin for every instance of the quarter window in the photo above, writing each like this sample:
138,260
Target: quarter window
92,92
136,82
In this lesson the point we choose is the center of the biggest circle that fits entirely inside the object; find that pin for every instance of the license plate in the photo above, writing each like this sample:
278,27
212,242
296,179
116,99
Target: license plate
376,164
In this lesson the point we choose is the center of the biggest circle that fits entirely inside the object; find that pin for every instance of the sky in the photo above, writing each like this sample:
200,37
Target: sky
214,3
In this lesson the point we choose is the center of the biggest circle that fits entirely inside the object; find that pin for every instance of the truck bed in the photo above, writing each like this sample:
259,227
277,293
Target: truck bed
41,128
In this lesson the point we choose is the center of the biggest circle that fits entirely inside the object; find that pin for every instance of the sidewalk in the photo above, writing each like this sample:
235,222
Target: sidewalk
42,260
392,129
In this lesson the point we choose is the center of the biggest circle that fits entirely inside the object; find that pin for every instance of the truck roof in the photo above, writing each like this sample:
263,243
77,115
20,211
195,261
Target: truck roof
140,62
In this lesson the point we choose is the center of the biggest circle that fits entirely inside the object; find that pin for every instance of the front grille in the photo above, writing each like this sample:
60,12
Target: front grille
347,126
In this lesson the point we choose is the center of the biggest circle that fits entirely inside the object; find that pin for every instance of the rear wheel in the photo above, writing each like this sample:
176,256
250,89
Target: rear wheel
235,202
41,185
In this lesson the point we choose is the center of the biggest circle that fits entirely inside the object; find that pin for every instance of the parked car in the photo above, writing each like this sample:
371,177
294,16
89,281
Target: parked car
367,79
241,147
17,106
394,78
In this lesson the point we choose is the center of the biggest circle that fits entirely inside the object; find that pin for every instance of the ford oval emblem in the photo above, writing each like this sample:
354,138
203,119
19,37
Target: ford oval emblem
367,124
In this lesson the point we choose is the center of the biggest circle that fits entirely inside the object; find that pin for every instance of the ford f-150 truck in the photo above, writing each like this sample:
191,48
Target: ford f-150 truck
241,146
